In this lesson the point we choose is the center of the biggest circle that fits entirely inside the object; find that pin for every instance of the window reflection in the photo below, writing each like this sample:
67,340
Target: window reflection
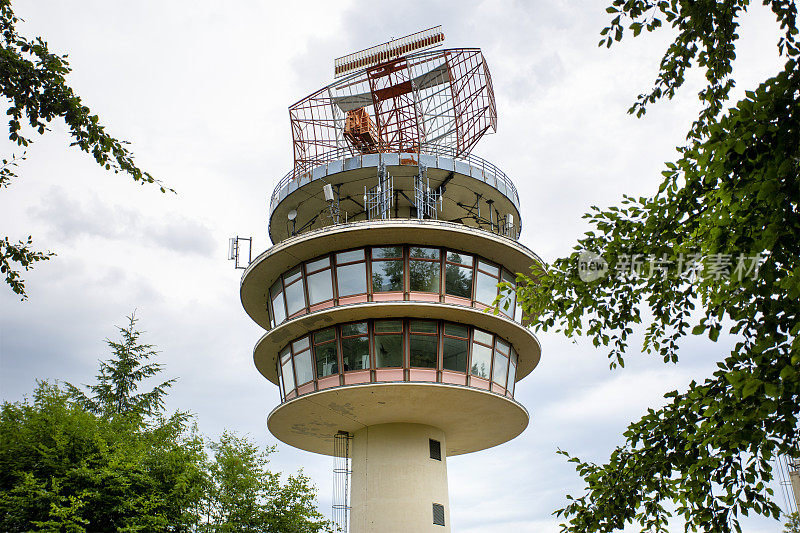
318,278
424,343
431,344
278,306
355,346
508,301
481,354
458,275
388,343
295,299
387,269
455,347
345,274
512,372
286,370
425,269
325,352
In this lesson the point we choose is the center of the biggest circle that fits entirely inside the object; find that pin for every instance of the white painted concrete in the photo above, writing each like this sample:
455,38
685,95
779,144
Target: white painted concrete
395,482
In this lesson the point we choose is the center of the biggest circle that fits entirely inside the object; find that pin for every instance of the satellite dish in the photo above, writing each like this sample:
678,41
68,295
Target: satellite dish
292,214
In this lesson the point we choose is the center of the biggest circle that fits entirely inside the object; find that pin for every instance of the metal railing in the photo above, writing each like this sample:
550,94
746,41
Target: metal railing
486,167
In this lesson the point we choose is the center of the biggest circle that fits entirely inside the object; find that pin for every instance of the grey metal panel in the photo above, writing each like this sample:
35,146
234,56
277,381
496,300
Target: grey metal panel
391,159
335,166
369,160
318,172
462,168
445,163
352,163
428,160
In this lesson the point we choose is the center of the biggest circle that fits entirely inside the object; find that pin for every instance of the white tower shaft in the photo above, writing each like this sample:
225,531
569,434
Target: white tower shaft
396,483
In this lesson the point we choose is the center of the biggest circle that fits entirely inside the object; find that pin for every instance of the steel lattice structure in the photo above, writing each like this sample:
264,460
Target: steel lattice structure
430,102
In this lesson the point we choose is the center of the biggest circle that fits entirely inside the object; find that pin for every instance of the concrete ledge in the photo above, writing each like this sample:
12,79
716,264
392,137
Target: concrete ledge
471,419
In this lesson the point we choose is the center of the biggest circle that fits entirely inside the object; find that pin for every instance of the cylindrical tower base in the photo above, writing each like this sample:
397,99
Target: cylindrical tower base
794,476
398,483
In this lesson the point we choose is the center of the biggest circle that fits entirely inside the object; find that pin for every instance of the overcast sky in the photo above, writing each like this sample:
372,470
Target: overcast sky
201,90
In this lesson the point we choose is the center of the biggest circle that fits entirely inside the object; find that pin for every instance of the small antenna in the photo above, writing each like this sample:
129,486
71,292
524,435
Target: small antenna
235,251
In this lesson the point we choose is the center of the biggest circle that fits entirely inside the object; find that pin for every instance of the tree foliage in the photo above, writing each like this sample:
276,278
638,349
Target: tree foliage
115,461
793,523
33,81
120,376
730,200
245,496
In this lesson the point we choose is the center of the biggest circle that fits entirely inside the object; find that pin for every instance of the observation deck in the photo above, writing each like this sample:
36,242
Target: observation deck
474,192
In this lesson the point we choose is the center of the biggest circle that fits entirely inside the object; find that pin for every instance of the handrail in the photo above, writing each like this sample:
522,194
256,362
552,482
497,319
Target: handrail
346,152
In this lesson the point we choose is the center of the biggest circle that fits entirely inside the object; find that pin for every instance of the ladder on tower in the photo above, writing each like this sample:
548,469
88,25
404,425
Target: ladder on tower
341,480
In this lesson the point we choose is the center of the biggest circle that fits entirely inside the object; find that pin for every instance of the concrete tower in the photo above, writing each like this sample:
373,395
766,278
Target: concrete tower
390,239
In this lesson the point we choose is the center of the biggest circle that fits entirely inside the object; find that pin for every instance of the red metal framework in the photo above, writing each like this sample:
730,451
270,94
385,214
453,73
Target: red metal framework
431,102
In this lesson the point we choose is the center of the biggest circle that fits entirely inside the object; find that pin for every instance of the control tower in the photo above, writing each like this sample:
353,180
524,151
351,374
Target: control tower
390,240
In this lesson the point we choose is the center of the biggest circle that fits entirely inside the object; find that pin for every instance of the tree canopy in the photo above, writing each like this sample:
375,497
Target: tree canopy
115,461
715,248
33,81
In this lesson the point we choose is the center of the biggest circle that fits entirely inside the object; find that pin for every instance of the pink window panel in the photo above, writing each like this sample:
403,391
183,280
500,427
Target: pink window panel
389,374
456,378
479,383
457,300
357,376
424,297
305,389
420,374
498,389
353,299
387,297
480,306
328,382
291,395
320,307
300,312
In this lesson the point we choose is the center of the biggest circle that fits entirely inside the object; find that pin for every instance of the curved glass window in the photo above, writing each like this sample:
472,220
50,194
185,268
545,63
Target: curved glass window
486,279
325,352
481,363
388,343
318,278
500,363
387,269
455,347
351,273
458,275
424,343
355,346
286,369
293,289
303,370
425,269
390,273
307,363
508,300
278,305
512,372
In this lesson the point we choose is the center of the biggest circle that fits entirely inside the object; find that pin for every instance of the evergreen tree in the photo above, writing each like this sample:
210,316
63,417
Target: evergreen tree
119,379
